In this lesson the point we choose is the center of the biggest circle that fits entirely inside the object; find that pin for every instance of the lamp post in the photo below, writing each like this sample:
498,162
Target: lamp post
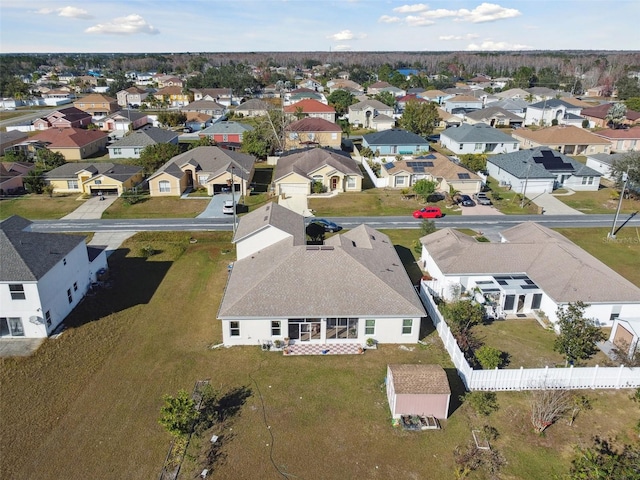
625,179
526,181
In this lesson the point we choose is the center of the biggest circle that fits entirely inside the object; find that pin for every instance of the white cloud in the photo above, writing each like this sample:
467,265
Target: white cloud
417,7
489,45
388,19
346,35
342,48
69,12
487,12
414,21
468,36
440,13
129,25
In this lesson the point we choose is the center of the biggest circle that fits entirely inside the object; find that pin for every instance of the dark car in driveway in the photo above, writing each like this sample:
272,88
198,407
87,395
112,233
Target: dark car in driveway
328,225
466,201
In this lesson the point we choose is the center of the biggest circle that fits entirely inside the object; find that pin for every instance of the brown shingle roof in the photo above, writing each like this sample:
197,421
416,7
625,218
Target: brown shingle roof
311,124
309,106
601,112
560,135
419,379
68,137
619,133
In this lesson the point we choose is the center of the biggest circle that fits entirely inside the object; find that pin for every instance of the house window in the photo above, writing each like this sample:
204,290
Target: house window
334,136
478,146
11,326
536,301
165,186
69,296
351,182
72,184
117,151
342,328
75,286
17,291
509,302
460,147
369,327
64,261
293,136
590,181
587,180
619,144
47,317
400,181
407,326
234,329
225,138
275,328
98,182
137,151
515,146
202,179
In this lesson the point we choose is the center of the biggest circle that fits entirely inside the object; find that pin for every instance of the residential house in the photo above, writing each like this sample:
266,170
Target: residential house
212,168
223,96
434,167
165,81
515,106
622,139
541,170
312,132
395,141
132,144
602,162
447,119
226,134
299,94
9,139
311,84
173,96
351,288
598,91
515,93
477,138
437,96
94,178
417,389
132,96
57,96
462,103
345,84
377,87
73,143
197,121
253,107
494,117
43,277
310,108
209,107
545,112
544,93
335,170
545,272
123,121
625,335
371,114
401,102
569,140
97,105
597,116
12,175
70,117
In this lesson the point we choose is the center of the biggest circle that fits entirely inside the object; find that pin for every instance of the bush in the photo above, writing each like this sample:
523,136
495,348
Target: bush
147,251
489,357
318,187
484,403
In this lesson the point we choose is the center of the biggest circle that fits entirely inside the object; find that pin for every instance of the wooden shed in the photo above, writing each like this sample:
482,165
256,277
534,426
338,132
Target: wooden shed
418,390
625,334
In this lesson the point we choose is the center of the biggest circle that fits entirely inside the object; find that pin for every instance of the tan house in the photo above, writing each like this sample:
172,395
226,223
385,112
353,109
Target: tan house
334,169
97,105
174,96
311,108
12,174
73,143
622,139
312,132
369,113
566,139
203,167
94,178
434,167
597,116
253,107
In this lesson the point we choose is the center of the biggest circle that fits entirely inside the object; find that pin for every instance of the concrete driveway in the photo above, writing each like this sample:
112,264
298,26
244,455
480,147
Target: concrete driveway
552,206
91,209
297,203
481,210
214,209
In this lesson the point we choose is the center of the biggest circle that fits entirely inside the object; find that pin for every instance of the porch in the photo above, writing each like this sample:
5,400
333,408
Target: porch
324,349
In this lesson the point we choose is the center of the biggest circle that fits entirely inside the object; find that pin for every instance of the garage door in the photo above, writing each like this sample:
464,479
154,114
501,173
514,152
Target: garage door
294,188
104,191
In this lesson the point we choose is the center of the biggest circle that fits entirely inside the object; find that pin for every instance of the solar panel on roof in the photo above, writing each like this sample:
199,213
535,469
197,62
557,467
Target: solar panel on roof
431,155
550,162
418,169
388,165
464,176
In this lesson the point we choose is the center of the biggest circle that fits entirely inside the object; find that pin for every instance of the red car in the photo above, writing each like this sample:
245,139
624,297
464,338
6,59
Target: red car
428,212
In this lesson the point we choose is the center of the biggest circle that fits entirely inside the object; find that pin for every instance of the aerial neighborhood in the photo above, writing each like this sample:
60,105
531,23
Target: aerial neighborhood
433,245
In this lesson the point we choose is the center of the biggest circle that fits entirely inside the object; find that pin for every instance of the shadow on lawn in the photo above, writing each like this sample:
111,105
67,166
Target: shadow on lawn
457,389
410,264
132,281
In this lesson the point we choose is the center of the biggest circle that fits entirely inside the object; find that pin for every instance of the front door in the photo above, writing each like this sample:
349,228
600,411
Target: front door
334,183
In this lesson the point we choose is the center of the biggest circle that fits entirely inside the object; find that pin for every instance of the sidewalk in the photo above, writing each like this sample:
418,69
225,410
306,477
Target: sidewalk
91,209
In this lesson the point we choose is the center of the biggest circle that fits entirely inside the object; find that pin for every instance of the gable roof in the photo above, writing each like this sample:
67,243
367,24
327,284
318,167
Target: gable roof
307,161
540,162
117,171
463,99
309,105
226,127
619,133
418,379
394,136
311,124
95,98
434,164
476,133
375,104
203,105
510,104
561,135
68,137
559,267
355,274
601,112
71,114
131,115
254,104
273,215
145,137
212,160
552,103
28,256
490,112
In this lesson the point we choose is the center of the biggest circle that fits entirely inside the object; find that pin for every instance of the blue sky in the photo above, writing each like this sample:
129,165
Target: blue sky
315,25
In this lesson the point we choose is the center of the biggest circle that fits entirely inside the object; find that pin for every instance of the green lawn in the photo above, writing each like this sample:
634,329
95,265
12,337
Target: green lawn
158,207
508,201
40,207
86,405
605,200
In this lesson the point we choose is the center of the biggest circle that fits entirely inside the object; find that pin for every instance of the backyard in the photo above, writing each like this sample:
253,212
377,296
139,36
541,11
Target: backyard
93,395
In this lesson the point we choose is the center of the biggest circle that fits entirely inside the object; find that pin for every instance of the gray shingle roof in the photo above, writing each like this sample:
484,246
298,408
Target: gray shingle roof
307,161
378,105
517,163
492,111
254,104
559,267
225,127
394,136
28,256
273,215
552,103
116,171
477,133
145,137
607,158
356,274
129,114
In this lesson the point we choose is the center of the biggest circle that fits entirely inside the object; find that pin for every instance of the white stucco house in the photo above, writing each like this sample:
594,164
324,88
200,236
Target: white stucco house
351,288
43,277
532,269
477,138
543,113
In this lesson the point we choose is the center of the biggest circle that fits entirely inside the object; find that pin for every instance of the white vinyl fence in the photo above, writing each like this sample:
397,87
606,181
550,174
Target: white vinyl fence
526,378
378,182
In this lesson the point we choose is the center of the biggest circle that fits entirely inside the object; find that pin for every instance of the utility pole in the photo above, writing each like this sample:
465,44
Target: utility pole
625,179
